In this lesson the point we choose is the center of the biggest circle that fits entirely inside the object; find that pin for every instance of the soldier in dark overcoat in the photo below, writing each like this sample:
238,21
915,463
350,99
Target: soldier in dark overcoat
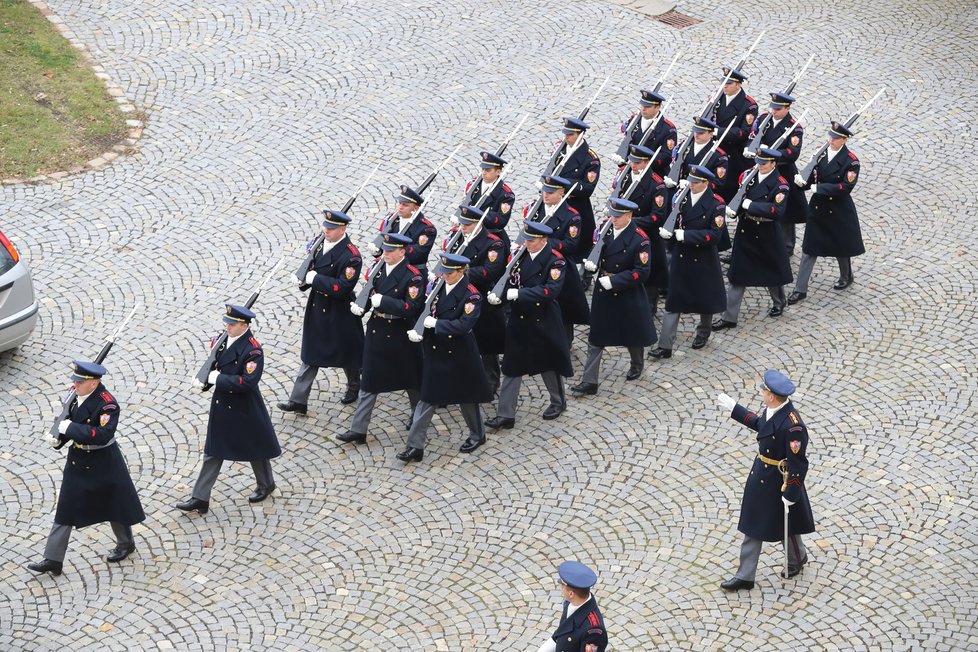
735,107
96,485
238,428
410,222
619,307
498,207
579,164
833,225
581,627
535,339
695,277
759,257
331,335
452,371
391,362
776,483
663,138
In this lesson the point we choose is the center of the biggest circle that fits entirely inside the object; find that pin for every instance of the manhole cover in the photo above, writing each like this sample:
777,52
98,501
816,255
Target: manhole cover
677,19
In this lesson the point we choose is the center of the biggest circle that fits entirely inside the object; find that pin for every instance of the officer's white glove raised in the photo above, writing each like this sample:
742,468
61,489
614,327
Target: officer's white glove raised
375,299
414,336
787,503
310,277
617,160
669,182
538,184
196,384
590,266
680,235
373,249
453,219
296,281
52,441
683,183
356,310
726,402
494,299
748,153
63,426
430,322
512,294
605,282
212,377
664,233
729,211
746,203
799,181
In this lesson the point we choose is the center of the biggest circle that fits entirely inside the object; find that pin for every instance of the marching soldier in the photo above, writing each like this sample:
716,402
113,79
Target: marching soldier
781,120
620,308
391,362
498,208
535,338
664,135
331,336
239,428
487,259
833,225
581,627
96,487
738,108
704,131
759,256
579,163
408,221
778,472
695,277
452,370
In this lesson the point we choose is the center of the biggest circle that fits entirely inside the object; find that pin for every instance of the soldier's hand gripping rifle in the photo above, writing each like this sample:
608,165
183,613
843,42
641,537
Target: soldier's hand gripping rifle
385,226
364,295
552,168
806,171
755,142
626,138
477,183
306,265
677,200
483,200
72,395
210,363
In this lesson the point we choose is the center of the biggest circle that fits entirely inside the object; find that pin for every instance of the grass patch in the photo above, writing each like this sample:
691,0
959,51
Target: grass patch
54,113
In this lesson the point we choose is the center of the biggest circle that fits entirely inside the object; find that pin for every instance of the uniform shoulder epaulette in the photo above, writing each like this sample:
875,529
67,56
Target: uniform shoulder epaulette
573,210
782,180
507,188
493,236
593,620
105,396
793,417
413,269
425,220
721,152
749,99
669,122
718,198
472,289
853,156
353,248
253,342
640,232
593,153
559,256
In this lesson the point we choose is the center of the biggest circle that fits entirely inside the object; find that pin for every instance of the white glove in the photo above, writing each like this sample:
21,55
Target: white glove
512,294
799,181
730,212
297,281
605,282
669,182
683,183
53,441
453,219
414,336
310,277
746,203
373,249
748,153
726,402
63,426
196,384
680,235
494,299
538,184
664,233
787,503
617,160
212,377
375,299
356,310
590,266
430,322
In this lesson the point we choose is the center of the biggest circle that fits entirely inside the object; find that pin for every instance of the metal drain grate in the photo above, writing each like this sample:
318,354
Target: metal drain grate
679,21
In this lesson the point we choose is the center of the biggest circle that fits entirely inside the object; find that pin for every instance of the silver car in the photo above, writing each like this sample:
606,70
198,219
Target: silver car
18,306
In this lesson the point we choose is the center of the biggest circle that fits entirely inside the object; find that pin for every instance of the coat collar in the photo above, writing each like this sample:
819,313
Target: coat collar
236,350
768,428
91,405
575,620
615,245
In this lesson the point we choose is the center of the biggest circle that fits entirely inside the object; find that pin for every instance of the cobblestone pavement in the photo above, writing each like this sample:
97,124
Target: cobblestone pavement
261,113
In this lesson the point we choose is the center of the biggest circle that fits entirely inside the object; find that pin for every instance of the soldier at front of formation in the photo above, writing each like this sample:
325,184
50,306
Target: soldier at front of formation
391,362
96,487
238,428
581,627
620,313
579,163
663,138
331,335
695,277
410,222
775,488
498,208
565,222
535,338
833,225
739,109
487,260
759,256
704,130
781,121
451,371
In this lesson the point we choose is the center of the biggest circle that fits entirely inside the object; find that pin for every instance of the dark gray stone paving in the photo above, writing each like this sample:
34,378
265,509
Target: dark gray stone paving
261,113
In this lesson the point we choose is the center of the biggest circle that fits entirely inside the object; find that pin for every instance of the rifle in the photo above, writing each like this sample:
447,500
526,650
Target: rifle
755,142
364,294
318,242
677,201
626,138
500,285
211,361
477,183
521,238
385,226
483,200
551,167
72,394
807,170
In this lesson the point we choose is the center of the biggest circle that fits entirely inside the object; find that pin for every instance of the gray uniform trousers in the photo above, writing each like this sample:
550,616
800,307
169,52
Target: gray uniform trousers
592,366
807,264
750,552
211,468
735,297
57,544
365,408
306,376
670,324
418,435
509,392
